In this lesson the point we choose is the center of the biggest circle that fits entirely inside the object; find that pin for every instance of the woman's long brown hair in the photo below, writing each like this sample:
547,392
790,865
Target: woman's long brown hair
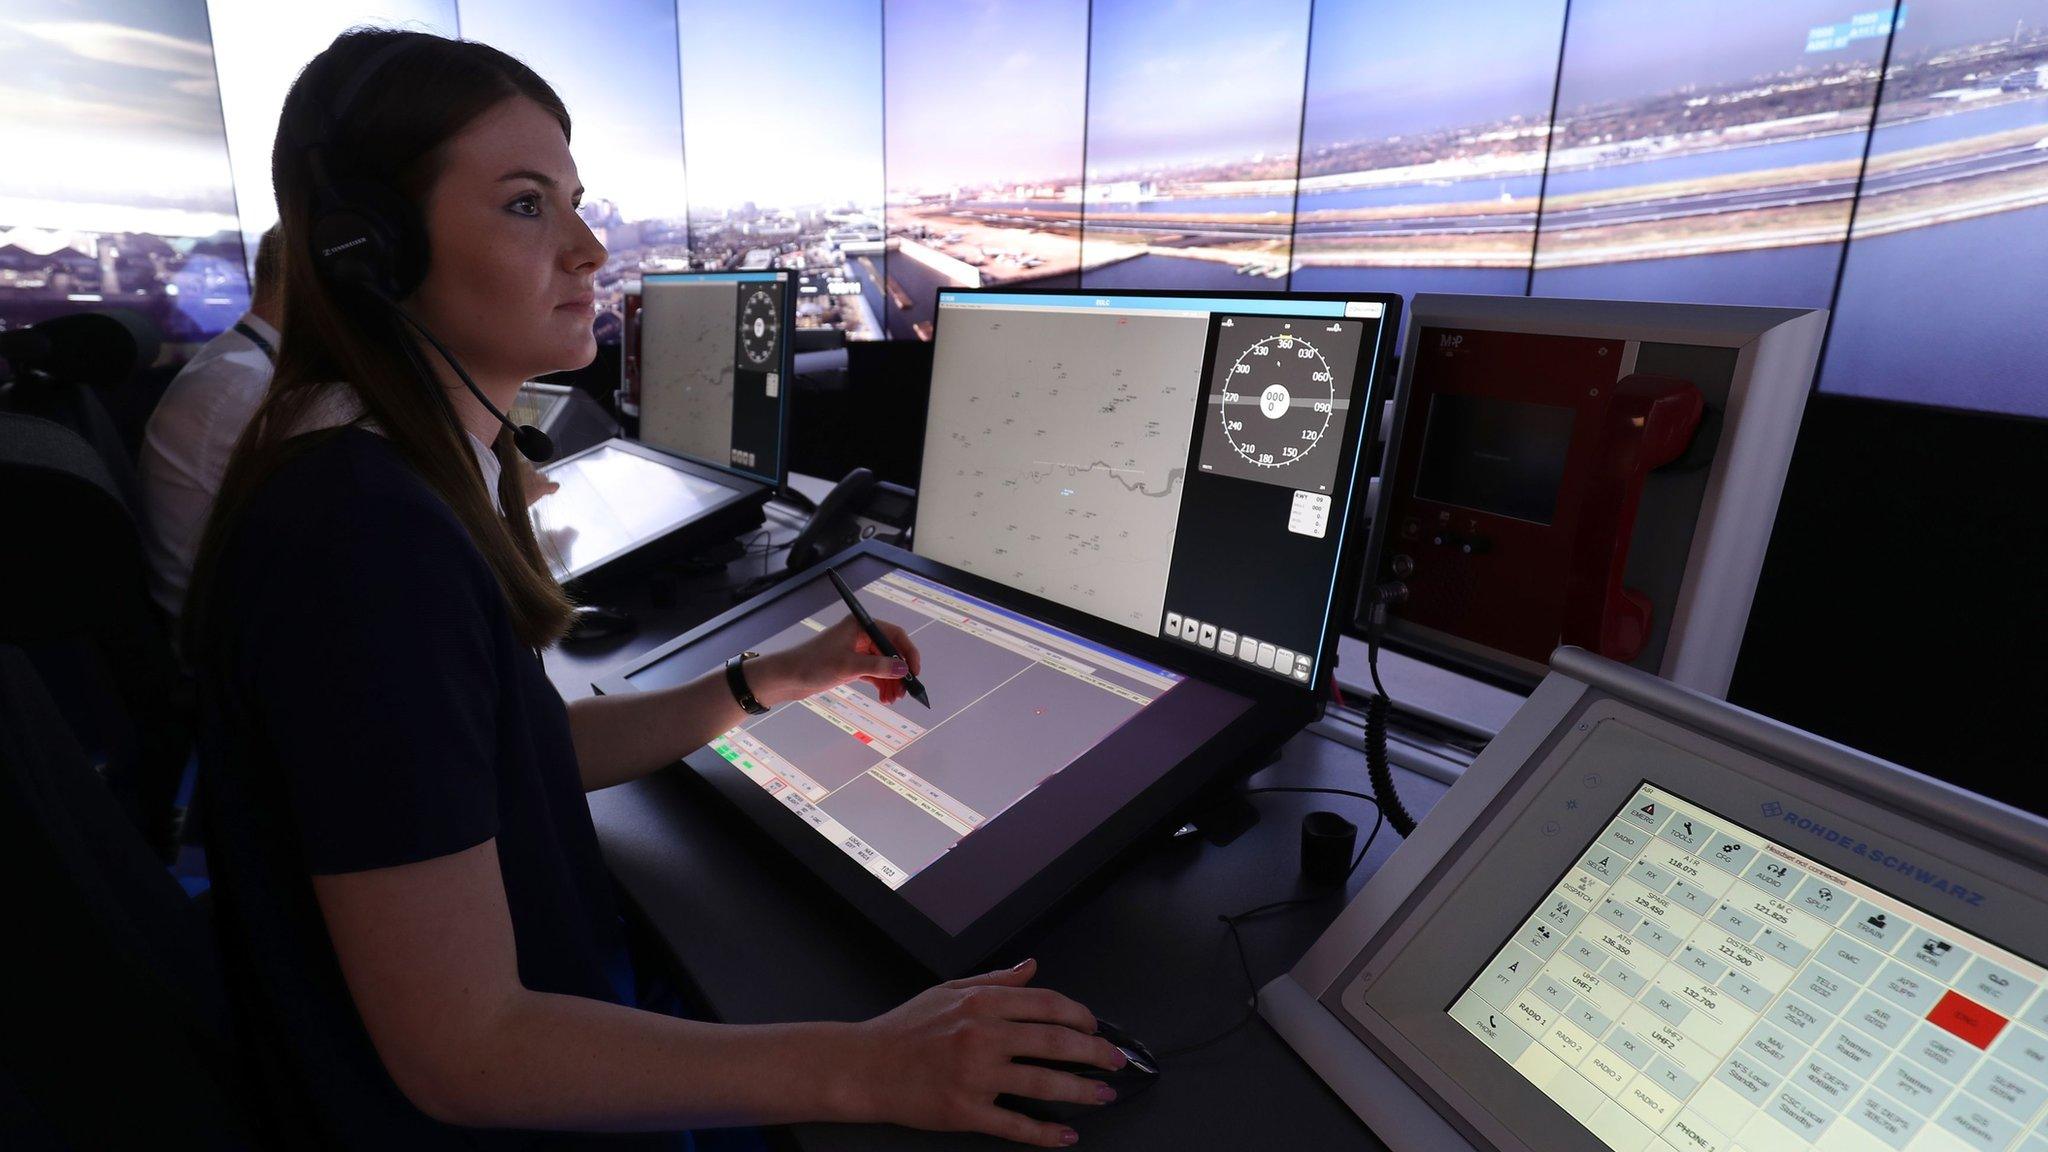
393,132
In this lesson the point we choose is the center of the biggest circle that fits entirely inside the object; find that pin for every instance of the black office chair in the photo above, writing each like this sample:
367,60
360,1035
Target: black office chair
74,593
114,1025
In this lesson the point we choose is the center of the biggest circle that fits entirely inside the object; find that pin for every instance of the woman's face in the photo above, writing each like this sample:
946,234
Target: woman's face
509,276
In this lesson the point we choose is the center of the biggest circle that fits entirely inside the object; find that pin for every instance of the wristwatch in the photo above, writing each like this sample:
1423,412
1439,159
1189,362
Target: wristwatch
736,680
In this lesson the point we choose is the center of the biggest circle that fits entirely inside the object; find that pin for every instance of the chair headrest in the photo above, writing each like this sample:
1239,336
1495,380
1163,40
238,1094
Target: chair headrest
70,556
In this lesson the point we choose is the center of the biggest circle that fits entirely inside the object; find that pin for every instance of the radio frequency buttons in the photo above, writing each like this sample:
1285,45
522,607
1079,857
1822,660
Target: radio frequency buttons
1265,655
1208,636
1173,623
1226,642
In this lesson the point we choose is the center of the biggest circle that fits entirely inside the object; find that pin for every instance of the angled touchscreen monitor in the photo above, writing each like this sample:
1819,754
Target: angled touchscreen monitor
1048,747
1180,465
618,497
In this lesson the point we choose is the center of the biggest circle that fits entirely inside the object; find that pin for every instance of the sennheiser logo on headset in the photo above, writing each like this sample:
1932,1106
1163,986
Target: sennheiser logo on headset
344,246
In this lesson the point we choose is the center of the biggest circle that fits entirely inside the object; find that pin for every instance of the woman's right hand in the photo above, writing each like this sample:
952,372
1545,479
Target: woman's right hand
940,1060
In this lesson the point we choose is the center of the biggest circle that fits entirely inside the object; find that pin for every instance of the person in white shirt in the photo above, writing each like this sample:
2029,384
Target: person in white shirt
186,444
188,440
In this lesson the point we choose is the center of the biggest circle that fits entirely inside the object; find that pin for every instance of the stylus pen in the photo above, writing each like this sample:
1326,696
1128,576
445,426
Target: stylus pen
882,645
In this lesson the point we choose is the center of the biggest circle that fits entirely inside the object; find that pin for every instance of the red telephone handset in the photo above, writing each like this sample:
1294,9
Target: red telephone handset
1650,423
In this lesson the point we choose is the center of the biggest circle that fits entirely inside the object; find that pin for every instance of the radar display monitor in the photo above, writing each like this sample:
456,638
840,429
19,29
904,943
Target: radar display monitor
1046,750
1646,921
714,358
1177,464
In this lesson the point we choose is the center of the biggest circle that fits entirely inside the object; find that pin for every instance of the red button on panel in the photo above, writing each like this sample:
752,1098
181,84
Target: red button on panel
1968,1019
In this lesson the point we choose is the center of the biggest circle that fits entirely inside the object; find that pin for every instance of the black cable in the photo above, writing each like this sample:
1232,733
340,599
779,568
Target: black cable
531,442
1377,769
1233,919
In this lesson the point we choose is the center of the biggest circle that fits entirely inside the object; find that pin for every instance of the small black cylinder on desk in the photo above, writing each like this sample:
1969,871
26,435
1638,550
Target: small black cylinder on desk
1326,843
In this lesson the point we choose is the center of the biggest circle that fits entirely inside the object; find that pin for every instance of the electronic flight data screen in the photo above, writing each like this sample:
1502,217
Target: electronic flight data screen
1178,464
1690,984
1037,738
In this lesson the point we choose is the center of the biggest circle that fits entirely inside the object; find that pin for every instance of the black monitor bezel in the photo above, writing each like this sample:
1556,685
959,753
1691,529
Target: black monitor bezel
750,490
1379,385
787,366
1276,712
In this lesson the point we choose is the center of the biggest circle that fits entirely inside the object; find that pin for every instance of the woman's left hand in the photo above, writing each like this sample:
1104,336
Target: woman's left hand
535,483
833,657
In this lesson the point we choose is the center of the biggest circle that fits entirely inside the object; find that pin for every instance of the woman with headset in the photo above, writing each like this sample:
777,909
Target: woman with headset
420,933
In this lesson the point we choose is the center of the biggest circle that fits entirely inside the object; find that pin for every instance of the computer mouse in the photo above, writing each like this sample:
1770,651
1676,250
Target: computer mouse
595,622
1139,1073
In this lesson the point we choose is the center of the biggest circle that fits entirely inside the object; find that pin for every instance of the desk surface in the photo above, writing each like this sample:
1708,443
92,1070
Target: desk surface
762,941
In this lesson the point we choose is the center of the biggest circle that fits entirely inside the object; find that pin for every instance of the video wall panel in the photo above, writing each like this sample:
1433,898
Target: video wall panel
782,126
115,190
986,119
1707,153
1949,257
1423,141
1194,124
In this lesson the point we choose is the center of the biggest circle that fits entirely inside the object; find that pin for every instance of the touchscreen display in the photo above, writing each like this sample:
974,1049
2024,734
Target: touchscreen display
1690,984
1014,703
612,501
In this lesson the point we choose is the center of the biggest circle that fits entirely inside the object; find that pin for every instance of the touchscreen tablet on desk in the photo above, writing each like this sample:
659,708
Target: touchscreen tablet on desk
1043,754
619,496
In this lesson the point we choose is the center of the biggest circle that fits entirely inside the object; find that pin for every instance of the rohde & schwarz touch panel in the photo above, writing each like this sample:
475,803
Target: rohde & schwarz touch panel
1645,920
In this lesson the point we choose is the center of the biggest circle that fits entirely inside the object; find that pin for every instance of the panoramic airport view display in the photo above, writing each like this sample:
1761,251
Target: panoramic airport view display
1014,702
1802,153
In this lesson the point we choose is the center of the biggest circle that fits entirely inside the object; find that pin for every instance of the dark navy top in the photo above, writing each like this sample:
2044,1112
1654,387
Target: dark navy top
370,705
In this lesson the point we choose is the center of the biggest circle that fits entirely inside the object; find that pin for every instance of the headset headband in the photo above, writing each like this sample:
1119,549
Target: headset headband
344,100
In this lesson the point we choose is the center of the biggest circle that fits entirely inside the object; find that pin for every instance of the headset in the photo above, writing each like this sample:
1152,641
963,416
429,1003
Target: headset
367,236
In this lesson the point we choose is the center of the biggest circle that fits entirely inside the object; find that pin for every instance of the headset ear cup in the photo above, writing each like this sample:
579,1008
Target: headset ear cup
371,236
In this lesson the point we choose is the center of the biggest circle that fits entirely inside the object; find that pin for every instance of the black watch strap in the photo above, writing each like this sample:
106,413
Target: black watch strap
736,679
